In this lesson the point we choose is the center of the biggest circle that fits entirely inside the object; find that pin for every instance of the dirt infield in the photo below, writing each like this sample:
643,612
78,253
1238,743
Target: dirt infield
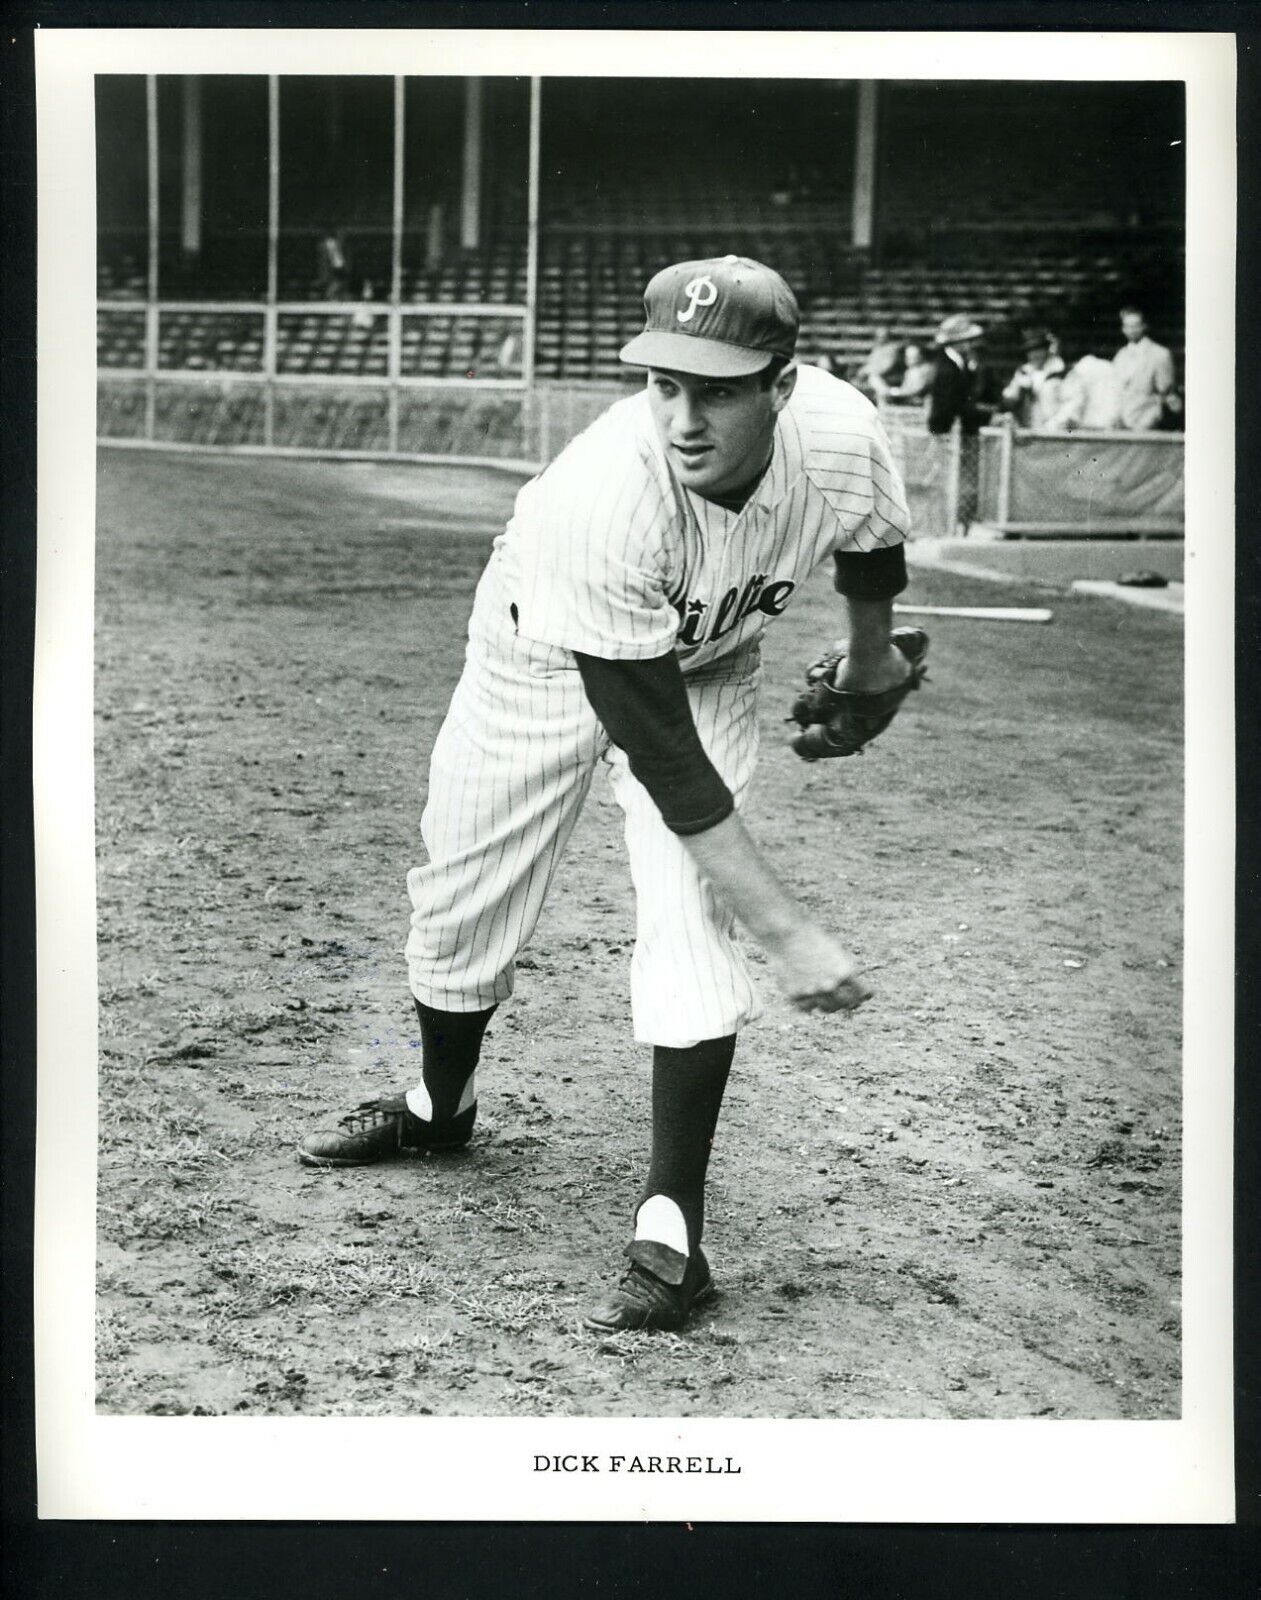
961,1202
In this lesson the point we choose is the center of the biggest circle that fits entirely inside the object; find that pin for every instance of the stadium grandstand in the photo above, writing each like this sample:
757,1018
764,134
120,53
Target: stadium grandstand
449,266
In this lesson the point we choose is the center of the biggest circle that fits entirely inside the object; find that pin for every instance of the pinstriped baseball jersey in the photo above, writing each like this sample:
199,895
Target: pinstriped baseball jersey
607,553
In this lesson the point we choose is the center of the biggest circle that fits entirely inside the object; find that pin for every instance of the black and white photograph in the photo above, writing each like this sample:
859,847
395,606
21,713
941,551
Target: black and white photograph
640,752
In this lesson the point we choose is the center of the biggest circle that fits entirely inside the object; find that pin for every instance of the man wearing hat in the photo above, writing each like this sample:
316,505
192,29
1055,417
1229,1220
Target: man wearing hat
1032,396
956,395
617,626
956,391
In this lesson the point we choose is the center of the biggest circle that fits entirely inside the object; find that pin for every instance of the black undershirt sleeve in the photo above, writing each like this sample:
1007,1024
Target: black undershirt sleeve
644,708
871,574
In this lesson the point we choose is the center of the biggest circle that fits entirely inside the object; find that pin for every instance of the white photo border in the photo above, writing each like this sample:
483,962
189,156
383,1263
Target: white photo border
474,1469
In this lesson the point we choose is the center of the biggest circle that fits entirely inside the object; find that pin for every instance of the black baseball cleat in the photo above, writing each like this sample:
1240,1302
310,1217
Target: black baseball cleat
381,1130
647,1299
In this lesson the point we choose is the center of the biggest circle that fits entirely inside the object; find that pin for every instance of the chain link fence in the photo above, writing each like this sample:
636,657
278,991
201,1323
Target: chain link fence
1003,479
508,426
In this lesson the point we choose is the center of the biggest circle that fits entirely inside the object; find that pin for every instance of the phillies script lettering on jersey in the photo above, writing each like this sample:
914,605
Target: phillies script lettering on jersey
697,626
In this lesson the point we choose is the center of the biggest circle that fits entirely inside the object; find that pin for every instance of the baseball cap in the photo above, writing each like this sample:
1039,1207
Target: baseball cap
723,318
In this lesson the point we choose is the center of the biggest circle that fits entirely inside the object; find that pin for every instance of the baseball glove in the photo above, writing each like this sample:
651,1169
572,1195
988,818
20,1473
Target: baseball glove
839,722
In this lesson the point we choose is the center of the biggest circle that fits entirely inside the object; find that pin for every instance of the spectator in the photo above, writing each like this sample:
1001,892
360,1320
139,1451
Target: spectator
1032,395
363,315
917,377
958,394
1173,419
1089,397
957,391
434,236
332,270
508,357
1144,372
881,368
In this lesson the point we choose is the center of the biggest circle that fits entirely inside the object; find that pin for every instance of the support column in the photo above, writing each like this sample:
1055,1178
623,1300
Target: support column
1007,444
395,323
471,196
954,482
191,190
271,321
863,221
151,289
532,237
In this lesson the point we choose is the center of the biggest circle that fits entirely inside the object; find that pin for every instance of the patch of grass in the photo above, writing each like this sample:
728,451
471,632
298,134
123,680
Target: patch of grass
182,1213
147,984
504,1308
346,1279
646,1349
172,1148
161,1175
205,1014
131,1094
504,1213
113,1338
412,1359
251,978
251,1342
229,1020
240,1090
260,1351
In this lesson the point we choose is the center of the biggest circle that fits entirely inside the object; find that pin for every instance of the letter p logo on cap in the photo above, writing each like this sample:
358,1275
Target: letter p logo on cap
700,292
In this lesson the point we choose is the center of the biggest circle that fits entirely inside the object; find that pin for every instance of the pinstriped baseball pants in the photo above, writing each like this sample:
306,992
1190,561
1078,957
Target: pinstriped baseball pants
510,769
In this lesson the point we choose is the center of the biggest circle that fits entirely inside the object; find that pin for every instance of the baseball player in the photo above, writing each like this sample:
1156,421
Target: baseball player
617,625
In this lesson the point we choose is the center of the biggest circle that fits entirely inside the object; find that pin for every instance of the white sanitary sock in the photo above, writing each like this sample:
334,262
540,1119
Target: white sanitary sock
420,1105
660,1220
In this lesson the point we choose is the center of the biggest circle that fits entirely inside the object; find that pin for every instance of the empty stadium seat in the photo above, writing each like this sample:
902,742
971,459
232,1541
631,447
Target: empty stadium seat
591,282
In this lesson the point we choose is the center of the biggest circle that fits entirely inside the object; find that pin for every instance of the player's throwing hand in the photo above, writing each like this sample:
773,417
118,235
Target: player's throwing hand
816,973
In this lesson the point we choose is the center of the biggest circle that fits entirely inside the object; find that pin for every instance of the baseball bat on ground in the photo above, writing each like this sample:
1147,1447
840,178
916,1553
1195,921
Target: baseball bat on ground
980,613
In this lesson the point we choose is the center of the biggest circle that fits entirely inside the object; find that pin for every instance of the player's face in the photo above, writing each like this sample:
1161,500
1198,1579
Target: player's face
716,431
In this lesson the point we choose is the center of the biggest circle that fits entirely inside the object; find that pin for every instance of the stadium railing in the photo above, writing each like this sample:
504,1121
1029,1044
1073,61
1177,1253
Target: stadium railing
1019,484
494,425
1052,484
1041,485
